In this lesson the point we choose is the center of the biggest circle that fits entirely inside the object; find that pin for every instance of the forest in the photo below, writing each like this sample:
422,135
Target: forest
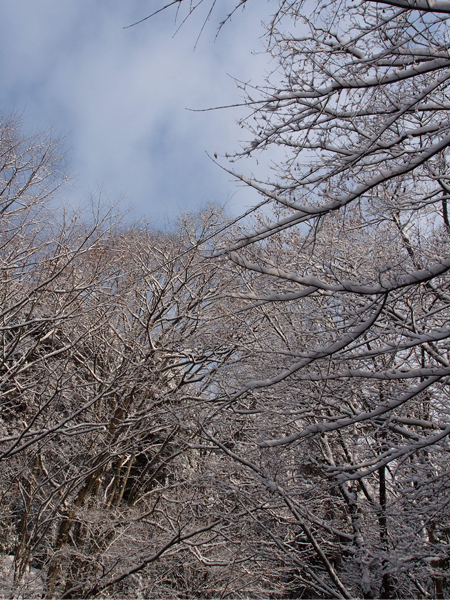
252,407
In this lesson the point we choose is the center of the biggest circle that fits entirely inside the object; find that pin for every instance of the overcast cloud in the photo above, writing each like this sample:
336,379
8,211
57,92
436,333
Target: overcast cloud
119,95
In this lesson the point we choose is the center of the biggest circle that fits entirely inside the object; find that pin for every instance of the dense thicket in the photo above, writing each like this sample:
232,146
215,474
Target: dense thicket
108,338
349,274
264,413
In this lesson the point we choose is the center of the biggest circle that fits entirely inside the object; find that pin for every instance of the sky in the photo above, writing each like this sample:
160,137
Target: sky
118,96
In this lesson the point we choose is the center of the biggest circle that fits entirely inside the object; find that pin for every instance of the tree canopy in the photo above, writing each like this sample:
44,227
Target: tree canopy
256,409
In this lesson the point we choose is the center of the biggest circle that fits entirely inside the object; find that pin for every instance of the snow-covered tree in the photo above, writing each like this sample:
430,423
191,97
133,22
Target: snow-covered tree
349,272
108,337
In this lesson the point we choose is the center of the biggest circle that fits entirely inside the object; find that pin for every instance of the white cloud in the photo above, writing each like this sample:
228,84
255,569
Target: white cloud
121,95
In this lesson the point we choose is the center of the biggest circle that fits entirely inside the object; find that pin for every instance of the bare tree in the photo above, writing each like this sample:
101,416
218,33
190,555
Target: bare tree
108,335
283,417
349,272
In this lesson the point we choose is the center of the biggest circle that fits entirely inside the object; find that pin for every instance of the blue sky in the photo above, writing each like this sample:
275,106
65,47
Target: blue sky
119,96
